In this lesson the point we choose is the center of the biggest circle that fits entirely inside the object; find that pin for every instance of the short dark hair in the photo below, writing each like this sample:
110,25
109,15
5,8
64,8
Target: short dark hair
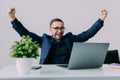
56,20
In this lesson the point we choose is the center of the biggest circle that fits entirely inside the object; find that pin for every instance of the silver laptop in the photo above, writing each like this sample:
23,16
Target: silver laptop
87,55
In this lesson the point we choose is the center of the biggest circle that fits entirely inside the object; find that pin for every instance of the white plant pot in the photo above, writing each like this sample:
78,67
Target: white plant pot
23,65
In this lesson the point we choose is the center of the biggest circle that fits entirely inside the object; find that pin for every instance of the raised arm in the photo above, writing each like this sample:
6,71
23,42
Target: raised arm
18,27
85,35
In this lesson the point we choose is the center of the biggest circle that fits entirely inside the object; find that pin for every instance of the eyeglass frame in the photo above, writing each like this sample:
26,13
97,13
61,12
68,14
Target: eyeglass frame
57,28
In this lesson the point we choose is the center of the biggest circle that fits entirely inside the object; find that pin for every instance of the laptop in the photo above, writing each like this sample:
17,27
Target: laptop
87,55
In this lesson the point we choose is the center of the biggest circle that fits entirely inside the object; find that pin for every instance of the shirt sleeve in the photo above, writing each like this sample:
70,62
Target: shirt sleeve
85,35
21,30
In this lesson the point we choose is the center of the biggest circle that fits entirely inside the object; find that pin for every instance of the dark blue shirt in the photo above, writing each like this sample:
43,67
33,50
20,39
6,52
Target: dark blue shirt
59,53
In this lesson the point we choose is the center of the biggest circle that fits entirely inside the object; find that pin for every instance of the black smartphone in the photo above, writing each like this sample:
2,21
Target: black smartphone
36,67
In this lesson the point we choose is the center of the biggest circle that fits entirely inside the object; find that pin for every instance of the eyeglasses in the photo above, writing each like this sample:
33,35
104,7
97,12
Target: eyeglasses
57,28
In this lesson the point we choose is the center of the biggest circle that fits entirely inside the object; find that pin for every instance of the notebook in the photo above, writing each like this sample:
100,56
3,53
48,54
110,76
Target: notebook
87,55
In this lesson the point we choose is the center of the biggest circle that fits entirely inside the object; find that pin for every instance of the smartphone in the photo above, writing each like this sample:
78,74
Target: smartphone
36,67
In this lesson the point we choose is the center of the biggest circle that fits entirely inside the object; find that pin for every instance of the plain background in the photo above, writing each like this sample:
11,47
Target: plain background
78,16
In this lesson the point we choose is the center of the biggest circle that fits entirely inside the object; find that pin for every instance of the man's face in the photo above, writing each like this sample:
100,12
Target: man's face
57,30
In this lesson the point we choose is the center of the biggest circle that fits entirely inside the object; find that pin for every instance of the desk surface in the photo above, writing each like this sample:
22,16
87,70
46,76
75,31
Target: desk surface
54,72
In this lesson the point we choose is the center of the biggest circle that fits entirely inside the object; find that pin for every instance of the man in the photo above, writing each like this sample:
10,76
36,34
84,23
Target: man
56,49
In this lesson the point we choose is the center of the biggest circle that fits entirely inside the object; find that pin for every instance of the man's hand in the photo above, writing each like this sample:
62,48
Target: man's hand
104,14
11,13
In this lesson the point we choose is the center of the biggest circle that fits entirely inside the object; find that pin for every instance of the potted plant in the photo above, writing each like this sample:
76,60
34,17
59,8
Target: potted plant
24,51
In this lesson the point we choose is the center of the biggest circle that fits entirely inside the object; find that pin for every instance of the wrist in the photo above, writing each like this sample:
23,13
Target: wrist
102,18
13,18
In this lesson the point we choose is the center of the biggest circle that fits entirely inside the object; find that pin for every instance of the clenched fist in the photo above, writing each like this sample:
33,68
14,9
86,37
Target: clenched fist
104,14
11,13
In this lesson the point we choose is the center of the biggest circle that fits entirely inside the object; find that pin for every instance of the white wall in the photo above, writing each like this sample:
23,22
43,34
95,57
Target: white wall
78,15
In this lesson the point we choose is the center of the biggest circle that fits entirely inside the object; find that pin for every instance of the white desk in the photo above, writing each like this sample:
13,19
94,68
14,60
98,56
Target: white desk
53,72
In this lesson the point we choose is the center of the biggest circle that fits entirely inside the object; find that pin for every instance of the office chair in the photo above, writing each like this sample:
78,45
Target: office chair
112,57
